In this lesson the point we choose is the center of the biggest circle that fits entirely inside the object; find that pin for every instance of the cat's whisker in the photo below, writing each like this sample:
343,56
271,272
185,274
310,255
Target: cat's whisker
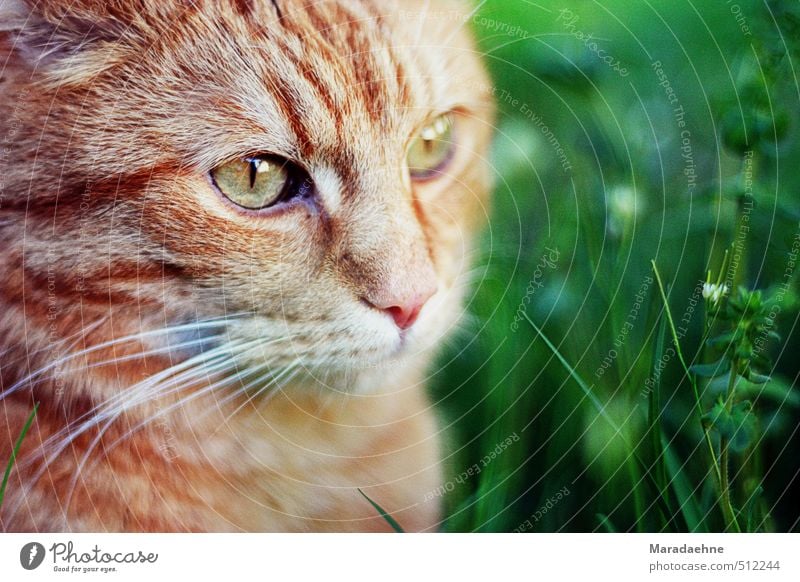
59,362
180,404
113,416
128,434
276,387
68,434
177,378
77,336
129,398
155,352
187,364
273,384
63,438
234,359
232,364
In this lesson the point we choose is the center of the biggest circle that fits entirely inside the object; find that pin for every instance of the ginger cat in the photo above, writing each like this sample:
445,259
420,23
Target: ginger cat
233,234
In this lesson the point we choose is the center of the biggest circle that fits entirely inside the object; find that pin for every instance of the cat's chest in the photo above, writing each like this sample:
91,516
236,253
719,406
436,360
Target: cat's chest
297,466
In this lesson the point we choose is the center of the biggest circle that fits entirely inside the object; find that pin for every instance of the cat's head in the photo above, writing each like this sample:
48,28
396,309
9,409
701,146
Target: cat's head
317,170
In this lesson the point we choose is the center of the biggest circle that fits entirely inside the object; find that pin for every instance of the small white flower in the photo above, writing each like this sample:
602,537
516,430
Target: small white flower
714,292
623,202
623,207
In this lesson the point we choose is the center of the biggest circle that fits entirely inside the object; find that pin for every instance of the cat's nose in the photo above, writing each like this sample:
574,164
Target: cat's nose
406,315
404,311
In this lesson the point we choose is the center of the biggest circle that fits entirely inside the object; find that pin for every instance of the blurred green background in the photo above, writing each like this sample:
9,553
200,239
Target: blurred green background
628,132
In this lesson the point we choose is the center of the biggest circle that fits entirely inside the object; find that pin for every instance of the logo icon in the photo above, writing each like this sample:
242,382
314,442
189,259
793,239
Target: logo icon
31,555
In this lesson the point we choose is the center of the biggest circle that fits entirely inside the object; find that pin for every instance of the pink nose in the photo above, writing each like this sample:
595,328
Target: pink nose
406,314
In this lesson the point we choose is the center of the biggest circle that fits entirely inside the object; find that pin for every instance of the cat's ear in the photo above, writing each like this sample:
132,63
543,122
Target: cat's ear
44,32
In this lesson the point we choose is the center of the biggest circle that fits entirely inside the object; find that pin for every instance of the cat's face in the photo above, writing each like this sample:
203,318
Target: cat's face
317,169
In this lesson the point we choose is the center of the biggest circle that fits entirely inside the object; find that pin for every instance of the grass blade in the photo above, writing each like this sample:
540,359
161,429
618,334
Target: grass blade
605,522
575,376
389,519
602,411
684,492
654,430
15,451
750,508
676,342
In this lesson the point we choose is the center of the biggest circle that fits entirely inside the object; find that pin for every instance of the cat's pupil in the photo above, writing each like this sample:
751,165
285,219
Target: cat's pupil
254,164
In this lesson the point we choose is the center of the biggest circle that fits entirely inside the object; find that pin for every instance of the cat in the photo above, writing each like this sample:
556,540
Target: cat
234,234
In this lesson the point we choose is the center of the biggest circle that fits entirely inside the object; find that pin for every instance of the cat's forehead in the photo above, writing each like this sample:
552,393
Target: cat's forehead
312,75
333,66
201,82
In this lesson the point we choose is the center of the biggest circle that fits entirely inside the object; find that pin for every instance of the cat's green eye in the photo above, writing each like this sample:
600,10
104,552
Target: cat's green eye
432,148
253,183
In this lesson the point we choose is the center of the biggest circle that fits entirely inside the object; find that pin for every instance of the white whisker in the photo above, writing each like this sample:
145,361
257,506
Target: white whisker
110,343
287,375
186,370
155,390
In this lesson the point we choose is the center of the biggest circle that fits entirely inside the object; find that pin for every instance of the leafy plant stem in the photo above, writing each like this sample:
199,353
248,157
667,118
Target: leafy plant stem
689,375
724,454
721,466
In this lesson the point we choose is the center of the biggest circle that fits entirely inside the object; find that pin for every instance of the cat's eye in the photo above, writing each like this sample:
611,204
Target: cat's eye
431,149
258,182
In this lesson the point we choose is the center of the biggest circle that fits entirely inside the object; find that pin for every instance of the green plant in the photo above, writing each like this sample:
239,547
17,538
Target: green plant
603,343
382,512
15,451
743,324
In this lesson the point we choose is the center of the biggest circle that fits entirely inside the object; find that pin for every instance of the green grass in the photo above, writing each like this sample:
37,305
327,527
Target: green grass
15,451
382,512
634,459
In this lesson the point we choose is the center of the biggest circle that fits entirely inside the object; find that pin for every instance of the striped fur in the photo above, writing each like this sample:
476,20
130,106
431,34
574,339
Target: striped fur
199,368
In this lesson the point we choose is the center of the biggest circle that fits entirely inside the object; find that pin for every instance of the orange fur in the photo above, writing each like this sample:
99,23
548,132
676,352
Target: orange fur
113,113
